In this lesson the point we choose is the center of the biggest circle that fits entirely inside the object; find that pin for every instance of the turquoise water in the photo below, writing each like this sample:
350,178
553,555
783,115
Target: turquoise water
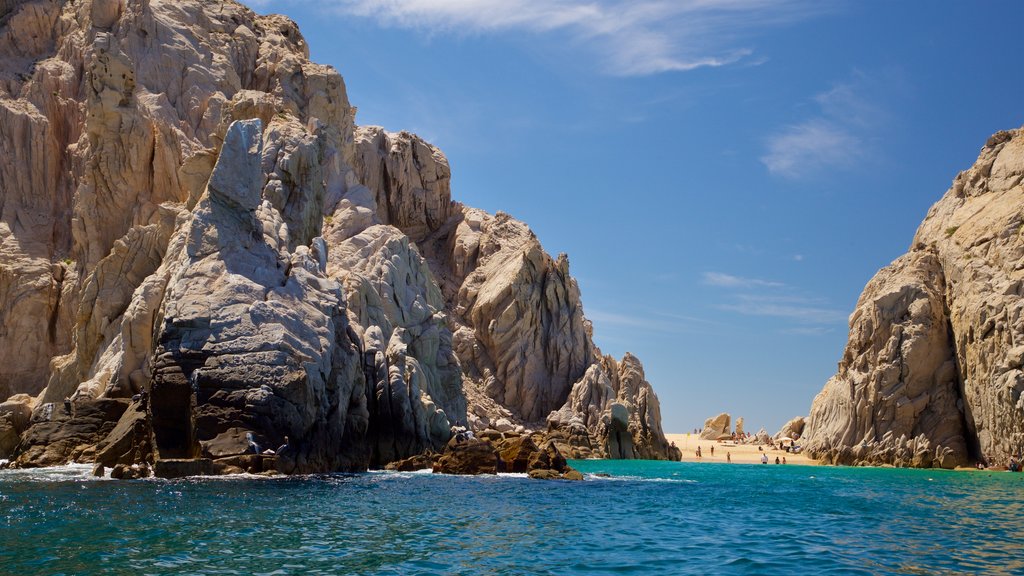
649,518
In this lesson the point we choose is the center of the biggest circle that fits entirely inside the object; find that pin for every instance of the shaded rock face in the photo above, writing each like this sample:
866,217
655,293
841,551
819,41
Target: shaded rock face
253,334
932,372
190,217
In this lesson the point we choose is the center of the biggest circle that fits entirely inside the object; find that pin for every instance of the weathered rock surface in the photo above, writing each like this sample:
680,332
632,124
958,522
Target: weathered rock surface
128,443
932,374
793,429
62,433
190,217
612,412
413,463
468,456
717,428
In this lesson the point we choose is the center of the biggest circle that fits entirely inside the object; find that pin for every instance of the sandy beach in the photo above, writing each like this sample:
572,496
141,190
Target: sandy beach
738,453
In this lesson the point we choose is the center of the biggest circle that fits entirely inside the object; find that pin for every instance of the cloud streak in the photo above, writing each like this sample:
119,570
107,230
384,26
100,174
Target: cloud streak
723,280
796,309
766,298
631,38
836,136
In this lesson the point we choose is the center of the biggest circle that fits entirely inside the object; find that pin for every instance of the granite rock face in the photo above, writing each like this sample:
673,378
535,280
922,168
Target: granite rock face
612,412
190,219
932,373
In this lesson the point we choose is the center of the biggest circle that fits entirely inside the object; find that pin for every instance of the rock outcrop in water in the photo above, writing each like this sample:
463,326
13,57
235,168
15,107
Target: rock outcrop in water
197,243
932,374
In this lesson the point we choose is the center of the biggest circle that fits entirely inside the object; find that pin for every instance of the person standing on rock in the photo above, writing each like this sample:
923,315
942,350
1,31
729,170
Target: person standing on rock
283,447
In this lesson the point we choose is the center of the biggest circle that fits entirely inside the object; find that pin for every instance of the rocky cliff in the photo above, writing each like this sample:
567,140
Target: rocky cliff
198,245
932,374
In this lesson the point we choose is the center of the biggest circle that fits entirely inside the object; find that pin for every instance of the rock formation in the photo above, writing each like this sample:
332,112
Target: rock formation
717,428
932,374
198,244
793,429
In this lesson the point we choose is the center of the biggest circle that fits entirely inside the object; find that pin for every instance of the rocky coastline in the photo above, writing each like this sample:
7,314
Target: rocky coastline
200,249
933,370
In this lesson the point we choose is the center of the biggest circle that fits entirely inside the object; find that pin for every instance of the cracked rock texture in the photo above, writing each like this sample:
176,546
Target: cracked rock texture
190,217
932,374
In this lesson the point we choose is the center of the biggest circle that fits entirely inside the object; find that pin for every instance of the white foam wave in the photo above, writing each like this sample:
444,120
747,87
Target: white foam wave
639,479
66,473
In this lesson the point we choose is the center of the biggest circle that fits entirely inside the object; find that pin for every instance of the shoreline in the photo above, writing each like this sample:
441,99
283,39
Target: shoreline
737,453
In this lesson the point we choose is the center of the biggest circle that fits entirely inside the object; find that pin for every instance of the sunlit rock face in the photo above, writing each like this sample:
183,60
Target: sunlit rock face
932,373
189,216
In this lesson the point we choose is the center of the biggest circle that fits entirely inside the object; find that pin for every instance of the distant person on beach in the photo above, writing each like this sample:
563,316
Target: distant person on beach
777,460
764,458
783,459
698,451
712,450
728,457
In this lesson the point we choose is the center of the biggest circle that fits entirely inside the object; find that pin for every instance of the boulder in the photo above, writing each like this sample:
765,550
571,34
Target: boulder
467,456
413,463
716,428
130,472
182,468
517,453
793,429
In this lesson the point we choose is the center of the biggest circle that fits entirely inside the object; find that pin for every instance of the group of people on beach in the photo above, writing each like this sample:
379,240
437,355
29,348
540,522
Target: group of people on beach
728,456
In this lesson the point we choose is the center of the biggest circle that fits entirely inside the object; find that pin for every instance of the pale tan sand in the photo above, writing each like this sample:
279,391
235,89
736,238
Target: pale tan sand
740,453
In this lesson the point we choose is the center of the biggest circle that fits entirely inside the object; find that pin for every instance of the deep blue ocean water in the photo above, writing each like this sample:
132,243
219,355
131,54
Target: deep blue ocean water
648,518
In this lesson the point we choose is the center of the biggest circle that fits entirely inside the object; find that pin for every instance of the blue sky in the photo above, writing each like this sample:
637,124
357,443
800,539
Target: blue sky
725,175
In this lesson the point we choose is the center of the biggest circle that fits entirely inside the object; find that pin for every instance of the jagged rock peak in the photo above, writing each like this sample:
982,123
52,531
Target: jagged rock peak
932,374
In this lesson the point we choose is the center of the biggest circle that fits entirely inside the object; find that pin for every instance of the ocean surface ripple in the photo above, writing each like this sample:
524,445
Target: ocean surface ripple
647,518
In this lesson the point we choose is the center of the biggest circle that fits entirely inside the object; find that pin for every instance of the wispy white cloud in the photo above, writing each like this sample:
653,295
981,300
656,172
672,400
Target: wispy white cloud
645,322
846,118
810,147
768,298
807,331
723,280
791,308
631,38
